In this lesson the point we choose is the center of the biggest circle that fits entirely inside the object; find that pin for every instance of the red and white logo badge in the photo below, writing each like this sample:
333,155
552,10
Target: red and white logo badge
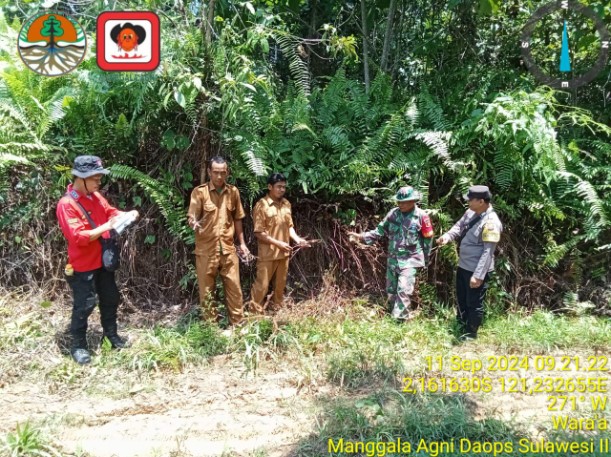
128,41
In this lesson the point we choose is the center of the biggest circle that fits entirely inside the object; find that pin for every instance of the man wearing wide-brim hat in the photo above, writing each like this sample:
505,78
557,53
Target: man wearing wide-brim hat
409,231
81,206
477,233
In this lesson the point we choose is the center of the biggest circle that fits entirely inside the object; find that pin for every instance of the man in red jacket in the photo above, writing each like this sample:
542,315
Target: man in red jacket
85,254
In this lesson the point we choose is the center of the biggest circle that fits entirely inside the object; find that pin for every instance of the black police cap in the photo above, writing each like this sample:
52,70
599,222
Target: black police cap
479,192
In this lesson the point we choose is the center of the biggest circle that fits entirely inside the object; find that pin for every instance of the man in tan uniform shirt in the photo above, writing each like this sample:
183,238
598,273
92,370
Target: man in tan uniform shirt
216,213
274,230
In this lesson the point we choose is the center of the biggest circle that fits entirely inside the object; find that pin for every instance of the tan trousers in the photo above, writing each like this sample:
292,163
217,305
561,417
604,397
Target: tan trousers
208,266
266,270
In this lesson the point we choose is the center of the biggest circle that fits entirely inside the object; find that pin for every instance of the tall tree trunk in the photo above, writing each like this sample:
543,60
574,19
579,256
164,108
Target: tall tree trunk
313,19
207,21
365,46
388,34
400,44
206,148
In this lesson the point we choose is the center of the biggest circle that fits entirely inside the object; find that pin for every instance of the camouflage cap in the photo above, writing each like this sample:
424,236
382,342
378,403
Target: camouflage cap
407,194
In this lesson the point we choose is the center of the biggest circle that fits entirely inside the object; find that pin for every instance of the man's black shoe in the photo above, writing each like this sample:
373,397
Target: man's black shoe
116,342
80,356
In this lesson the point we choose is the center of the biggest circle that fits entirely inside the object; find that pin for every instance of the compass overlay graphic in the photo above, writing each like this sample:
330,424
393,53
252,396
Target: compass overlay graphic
565,44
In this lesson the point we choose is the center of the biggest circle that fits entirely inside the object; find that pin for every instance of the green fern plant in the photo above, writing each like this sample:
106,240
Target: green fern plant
554,183
164,195
298,67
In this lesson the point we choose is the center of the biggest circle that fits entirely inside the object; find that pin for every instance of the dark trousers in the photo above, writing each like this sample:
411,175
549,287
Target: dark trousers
84,286
470,302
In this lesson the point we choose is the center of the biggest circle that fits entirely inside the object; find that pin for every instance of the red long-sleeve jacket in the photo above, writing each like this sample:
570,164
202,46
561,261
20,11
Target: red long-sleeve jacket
84,255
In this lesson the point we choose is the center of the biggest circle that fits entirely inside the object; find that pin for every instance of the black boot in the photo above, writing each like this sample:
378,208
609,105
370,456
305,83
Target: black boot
469,334
79,351
116,342
80,356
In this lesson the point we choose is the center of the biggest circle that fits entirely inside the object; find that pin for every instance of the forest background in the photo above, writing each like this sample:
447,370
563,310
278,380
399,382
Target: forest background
350,100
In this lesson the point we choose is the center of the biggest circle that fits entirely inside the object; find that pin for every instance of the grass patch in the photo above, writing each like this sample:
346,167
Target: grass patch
23,332
165,348
358,367
544,331
253,341
27,441
384,416
356,348
366,348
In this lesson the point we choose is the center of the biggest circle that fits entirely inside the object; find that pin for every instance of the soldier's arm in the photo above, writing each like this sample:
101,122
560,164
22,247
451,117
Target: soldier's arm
426,234
293,234
426,249
381,230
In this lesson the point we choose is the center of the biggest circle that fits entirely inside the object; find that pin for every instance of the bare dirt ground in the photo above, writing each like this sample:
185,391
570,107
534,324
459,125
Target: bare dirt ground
207,411
213,410
217,409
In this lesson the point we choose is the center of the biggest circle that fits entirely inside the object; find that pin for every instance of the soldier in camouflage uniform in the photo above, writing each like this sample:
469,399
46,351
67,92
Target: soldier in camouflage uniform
409,233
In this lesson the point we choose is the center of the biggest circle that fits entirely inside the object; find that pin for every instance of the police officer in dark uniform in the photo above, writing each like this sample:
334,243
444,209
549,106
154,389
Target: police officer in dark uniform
477,232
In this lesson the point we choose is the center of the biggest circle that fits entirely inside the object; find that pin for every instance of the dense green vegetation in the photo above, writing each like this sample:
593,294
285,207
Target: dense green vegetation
350,101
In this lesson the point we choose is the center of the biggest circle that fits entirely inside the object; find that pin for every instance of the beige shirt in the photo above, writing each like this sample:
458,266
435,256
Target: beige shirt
275,219
216,213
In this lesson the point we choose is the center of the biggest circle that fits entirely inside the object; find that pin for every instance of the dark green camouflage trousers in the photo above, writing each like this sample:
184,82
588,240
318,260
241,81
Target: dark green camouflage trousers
400,284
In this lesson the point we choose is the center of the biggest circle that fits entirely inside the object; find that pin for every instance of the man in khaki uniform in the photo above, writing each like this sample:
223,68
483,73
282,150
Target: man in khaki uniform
216,213
274,230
